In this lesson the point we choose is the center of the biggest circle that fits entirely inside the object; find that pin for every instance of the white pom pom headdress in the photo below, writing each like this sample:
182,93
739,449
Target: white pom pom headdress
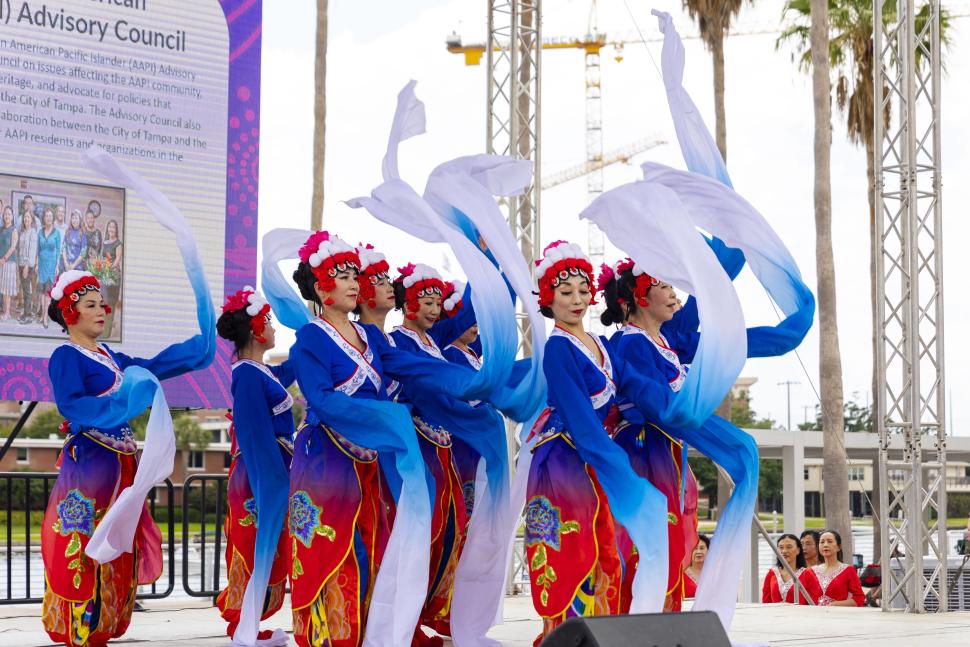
419,280
68,289
560,261
255,305
327,255
373,268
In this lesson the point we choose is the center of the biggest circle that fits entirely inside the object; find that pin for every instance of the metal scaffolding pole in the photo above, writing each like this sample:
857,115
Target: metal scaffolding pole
513,106
909,265
513,52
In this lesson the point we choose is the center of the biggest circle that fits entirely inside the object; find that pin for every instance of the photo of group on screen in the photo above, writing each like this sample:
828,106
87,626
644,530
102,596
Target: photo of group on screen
42,235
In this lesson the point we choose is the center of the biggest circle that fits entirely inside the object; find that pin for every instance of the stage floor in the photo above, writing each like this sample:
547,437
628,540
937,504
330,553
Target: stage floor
192,623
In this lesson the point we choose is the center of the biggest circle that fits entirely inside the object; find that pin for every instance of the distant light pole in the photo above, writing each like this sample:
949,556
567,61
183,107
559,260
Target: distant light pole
788,385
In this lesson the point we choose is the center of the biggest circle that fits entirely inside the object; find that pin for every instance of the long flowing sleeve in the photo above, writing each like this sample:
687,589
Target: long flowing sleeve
172,361
427,373
198,351
138,389
115,533
270,483
649,395
681,331
339,410
106,411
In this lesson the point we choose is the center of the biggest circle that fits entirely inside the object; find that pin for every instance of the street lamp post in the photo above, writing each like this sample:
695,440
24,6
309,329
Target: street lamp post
788,385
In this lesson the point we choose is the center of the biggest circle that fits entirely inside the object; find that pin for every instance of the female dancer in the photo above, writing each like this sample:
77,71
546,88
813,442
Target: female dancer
418,291
376,297
692,574
98,540
642,306
464,349
578,475
779,586
262,446
337,521
86,602
838,582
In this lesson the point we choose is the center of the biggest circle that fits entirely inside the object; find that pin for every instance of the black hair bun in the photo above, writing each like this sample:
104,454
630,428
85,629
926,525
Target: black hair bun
400,295
235,327
55,315
306,281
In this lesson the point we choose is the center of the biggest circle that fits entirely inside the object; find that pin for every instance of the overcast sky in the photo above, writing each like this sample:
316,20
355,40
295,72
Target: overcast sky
376,47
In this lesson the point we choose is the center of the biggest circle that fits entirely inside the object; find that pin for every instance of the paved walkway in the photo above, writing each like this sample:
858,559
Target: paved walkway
195,623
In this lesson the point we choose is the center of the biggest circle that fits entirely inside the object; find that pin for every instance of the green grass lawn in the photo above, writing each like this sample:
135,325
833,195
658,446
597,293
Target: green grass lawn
18,528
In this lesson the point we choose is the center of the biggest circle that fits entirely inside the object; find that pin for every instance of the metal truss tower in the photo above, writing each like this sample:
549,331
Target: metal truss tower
513,54
909,265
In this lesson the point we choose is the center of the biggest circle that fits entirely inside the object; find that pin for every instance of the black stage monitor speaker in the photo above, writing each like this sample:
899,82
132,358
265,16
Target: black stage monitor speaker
692,629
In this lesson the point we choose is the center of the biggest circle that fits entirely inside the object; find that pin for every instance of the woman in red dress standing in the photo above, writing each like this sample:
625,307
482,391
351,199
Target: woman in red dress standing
692,574
779,585
839,582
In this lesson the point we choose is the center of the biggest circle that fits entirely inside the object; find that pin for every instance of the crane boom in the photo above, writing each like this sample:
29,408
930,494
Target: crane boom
622,154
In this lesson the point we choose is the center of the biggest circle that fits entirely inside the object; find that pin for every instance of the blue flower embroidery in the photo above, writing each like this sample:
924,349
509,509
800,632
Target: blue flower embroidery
543,525
249,505
304,520
544,528
76,514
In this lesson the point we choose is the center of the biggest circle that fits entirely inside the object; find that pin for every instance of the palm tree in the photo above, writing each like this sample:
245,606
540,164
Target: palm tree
713,21
319,116
851,58
835,475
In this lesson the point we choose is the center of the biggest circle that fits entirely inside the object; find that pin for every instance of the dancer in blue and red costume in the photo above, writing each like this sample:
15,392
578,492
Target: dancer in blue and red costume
648,309
257,549
464,351
347,574
86,602
580,479
98,540
338,528
418,292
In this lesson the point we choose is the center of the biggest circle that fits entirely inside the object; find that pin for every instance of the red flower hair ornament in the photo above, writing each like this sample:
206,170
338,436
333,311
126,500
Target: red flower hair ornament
560,261
373,268
327,255
68,289
255,305
643,280
419,280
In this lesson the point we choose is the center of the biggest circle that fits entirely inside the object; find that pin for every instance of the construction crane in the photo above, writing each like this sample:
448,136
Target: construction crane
619,155
591,44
